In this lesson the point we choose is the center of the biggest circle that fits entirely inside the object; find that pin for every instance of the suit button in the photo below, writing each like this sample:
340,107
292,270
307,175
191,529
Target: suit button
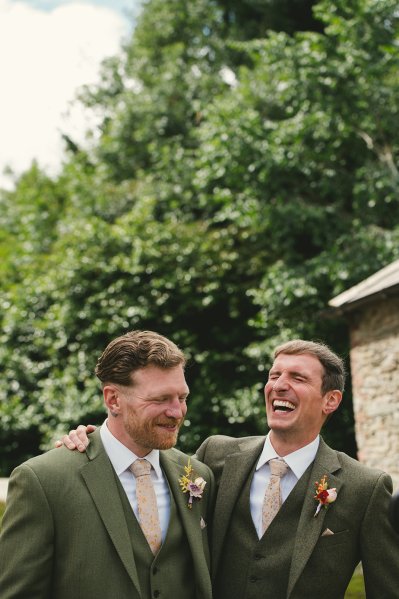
156,593
154,570
253,579
257,556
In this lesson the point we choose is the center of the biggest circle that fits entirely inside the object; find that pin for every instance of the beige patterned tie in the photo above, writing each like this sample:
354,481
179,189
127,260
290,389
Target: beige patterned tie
272,500
147,504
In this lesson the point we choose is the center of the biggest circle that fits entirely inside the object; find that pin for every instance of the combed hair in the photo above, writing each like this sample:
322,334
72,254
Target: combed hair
334,369
134,350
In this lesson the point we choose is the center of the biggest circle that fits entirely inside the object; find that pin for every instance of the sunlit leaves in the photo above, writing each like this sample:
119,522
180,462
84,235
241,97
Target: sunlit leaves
237,180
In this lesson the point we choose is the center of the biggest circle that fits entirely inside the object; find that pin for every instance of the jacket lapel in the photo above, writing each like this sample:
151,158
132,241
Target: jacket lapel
99,477
190,518
235,472
310,528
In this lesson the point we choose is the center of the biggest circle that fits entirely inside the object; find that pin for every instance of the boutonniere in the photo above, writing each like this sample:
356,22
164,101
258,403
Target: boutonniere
195,487
324,495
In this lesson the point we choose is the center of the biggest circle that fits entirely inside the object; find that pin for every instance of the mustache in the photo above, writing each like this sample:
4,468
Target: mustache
170,422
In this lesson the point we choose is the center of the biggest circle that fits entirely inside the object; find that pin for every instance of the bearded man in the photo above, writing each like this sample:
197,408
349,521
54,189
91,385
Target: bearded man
128,517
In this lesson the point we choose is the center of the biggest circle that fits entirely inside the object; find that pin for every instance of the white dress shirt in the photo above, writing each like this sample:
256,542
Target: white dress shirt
298,461
121,459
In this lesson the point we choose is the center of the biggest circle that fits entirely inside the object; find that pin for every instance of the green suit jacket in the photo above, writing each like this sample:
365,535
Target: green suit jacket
64,531
358,518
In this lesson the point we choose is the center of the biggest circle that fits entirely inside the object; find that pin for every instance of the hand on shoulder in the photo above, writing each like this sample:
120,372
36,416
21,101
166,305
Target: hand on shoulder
77,438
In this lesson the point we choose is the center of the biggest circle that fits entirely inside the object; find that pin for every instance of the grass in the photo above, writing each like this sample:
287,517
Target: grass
355,589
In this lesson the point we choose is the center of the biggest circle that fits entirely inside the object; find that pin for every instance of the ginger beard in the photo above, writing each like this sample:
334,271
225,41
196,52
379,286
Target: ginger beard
152,410
157,433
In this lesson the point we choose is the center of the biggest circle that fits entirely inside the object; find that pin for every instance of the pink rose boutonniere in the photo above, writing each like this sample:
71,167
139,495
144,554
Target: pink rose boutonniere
324,495
194,488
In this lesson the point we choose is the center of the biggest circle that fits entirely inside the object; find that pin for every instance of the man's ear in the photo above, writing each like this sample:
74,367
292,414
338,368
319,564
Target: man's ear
332,400
112,399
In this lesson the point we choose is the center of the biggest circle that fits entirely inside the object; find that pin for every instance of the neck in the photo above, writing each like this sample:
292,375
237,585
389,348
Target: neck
124,438
285,444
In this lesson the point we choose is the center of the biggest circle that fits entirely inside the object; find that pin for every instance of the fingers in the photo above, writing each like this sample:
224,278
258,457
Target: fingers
79,437
76,438
68,442
72,441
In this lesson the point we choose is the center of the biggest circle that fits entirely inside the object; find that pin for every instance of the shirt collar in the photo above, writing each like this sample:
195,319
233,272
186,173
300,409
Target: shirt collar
298,460
121,457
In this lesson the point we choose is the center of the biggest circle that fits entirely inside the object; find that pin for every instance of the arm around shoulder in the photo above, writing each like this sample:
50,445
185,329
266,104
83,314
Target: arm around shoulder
26,539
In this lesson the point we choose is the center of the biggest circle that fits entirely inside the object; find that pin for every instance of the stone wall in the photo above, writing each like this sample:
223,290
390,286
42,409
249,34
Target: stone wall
375,380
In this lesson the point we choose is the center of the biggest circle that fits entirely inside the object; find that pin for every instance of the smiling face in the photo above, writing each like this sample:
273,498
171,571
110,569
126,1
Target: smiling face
296,408
148,414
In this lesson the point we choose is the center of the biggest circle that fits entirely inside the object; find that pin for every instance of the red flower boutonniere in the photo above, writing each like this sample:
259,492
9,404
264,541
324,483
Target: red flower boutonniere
324,495
194,488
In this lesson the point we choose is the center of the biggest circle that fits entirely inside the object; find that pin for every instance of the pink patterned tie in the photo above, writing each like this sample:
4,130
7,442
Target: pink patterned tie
272,500
147,504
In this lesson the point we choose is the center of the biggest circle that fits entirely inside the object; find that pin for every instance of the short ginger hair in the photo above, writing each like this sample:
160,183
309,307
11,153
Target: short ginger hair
134,350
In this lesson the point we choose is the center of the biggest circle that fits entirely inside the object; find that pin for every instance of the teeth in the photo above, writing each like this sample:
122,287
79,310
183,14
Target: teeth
280,403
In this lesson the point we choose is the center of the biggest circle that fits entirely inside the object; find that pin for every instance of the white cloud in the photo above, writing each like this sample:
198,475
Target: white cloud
44,58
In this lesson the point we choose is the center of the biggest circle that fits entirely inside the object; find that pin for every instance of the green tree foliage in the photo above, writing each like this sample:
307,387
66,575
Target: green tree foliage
244,171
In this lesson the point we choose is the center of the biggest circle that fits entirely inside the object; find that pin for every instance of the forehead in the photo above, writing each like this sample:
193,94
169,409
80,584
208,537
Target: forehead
154,380
306,364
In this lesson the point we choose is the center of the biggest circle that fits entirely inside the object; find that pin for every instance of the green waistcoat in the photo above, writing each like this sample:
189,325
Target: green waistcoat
252,568
170,574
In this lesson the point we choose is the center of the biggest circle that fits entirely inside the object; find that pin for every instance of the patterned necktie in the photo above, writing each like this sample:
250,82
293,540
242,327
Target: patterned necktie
272,500
147,504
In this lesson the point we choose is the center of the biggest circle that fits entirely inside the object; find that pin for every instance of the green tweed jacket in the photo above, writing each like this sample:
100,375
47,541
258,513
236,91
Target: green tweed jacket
322,564
64,530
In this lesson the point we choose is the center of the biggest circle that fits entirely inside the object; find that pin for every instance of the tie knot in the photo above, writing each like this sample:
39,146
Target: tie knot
140,468
278,467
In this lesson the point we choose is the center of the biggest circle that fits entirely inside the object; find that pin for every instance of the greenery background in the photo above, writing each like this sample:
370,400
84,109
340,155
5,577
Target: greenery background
242,173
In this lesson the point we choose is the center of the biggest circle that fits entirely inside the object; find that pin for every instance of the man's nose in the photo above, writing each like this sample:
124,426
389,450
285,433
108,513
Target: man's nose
176,409
280,384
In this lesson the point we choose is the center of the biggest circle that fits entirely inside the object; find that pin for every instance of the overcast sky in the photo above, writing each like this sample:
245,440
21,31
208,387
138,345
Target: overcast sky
48,48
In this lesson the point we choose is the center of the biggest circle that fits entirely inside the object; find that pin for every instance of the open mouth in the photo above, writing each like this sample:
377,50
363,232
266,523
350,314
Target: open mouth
282,406
168,426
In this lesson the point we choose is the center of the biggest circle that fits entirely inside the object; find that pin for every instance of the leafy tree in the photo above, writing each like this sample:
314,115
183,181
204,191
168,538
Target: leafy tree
239,178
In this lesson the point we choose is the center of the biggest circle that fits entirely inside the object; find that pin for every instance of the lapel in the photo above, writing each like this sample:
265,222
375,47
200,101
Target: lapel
235,472
173,468
309,527
99,477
